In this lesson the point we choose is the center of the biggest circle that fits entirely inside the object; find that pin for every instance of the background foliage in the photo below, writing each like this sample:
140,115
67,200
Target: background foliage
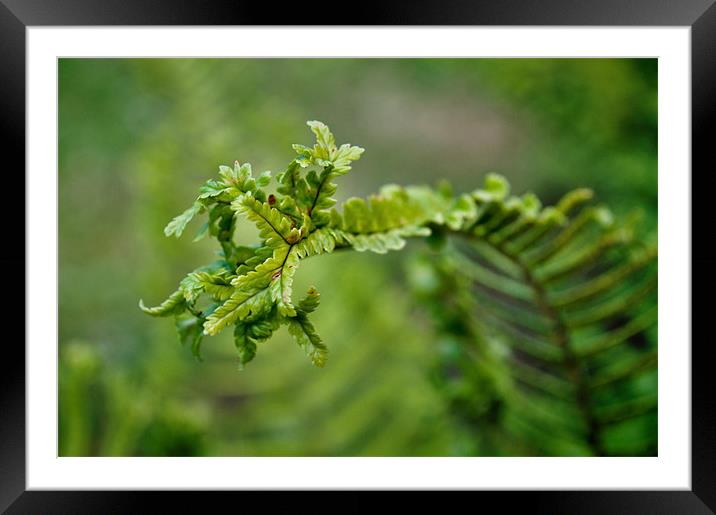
138,136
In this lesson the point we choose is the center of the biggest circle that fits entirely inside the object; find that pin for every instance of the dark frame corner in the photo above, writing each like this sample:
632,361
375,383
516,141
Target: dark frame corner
700,15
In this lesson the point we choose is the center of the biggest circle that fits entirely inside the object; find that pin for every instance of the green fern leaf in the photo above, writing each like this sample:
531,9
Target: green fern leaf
174,305
242,305
218,286
303,331
178,224
190,333
274,228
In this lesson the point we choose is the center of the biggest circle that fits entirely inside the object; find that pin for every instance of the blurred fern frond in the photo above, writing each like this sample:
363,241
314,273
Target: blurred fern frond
547,318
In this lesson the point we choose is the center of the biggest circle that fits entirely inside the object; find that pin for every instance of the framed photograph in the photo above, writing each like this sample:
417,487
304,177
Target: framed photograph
446,249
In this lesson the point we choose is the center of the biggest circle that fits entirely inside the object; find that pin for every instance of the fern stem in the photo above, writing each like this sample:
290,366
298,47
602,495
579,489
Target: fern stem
197,314
325,175
571,364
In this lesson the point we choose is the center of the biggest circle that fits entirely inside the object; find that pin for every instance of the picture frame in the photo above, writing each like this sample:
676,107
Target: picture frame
700,16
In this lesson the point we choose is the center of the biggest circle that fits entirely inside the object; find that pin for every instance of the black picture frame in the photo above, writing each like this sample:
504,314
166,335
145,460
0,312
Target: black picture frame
700,15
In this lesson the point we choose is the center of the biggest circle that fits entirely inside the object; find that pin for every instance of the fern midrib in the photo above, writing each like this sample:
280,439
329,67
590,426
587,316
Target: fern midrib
295,218
272,227
283,264
197,314
318,194
570,362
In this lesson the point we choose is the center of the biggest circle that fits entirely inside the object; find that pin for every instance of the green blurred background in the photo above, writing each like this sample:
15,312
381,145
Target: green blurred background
137,137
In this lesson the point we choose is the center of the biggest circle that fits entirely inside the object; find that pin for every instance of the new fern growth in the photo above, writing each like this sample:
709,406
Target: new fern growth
250,286
521,250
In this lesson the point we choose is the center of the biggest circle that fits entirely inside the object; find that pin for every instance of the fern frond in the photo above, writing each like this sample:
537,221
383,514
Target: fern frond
315,192
544,308
565,290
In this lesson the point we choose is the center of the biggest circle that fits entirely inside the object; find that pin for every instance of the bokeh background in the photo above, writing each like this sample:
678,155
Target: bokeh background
137,137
